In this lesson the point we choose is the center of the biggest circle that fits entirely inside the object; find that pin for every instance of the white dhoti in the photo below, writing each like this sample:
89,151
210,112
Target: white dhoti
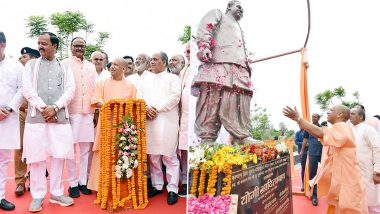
172,172
83,134
5,156
43,140
38,187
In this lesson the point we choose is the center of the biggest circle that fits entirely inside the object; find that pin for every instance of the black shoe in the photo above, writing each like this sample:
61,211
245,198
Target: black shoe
172,198
6,205
153,192
84,189
314,200
183,192
149,184
74,192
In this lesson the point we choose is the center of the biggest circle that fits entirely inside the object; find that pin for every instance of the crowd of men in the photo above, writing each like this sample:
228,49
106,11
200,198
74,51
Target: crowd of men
350,170
49,110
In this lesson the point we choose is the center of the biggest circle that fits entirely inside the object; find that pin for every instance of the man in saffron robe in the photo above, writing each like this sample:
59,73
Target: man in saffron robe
115,86
346,187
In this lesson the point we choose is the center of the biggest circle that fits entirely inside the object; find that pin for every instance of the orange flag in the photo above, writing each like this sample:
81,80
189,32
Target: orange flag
303,87
305,110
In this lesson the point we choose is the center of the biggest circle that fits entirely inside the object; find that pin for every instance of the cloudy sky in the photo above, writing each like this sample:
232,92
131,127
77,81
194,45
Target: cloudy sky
342,49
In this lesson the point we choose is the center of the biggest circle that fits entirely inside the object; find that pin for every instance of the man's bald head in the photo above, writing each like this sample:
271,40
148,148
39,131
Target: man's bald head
338,113
118,67
344,110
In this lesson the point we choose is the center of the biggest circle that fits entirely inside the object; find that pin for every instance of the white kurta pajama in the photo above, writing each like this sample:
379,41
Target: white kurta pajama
81,117
163,91
368,155
41,139
11,96
184,122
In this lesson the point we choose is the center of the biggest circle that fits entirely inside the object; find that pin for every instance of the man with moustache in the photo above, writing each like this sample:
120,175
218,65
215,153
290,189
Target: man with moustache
10,101
176,64
183,145
49,86
162,91
141,65
223,80
81,116
106,89
131,66
98,58
340,175
368,155
20,165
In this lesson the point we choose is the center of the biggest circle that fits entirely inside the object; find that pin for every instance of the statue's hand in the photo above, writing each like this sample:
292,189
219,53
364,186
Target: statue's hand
205,55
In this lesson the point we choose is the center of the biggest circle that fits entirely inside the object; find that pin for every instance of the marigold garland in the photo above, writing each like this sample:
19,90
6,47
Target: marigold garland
194,183
110,115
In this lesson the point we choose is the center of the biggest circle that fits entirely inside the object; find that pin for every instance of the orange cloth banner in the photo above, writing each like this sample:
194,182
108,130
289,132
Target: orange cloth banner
305,109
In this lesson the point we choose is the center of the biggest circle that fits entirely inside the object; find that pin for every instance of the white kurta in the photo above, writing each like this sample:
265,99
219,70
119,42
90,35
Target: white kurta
11,72
136,78
162,91
42,140
184,122
368,155
103,75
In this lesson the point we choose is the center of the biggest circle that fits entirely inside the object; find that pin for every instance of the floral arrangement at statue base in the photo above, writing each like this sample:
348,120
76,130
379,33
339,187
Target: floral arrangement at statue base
211,166
123,161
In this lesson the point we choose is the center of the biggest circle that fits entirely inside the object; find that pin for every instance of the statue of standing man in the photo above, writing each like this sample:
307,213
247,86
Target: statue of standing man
223,79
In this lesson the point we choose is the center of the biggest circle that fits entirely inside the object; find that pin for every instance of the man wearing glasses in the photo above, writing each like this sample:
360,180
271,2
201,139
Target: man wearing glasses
98,59
81,115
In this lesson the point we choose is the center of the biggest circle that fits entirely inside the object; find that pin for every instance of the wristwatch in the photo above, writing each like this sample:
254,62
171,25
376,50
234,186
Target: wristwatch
8,108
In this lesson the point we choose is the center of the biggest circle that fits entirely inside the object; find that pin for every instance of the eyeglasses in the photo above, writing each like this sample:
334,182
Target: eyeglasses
187,51
79,46
98,59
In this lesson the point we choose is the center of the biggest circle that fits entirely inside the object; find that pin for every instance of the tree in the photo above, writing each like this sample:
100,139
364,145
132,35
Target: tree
88,27
261,126
326,98
67,23
36,25
102,38
186,35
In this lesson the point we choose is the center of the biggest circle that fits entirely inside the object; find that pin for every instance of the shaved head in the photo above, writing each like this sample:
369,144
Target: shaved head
118,67
338,113
122,62
344,110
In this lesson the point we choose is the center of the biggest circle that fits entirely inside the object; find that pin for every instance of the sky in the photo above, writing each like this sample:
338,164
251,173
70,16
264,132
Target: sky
342,49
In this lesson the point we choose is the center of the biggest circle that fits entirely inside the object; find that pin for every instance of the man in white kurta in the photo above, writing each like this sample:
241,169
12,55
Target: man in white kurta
48,86
10,100
141,67
368,155
81,116
183,145
161,92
